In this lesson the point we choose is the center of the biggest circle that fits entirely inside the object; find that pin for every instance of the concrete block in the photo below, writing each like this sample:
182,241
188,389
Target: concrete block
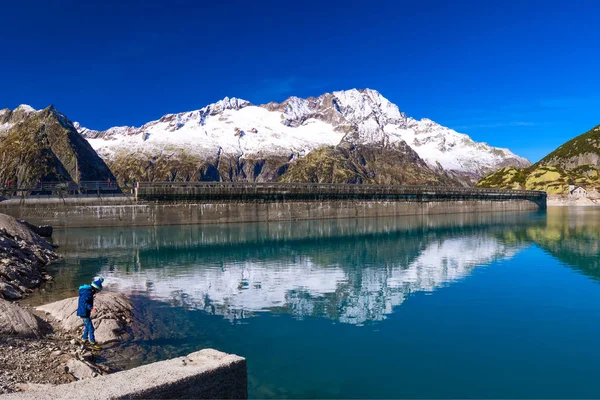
206,374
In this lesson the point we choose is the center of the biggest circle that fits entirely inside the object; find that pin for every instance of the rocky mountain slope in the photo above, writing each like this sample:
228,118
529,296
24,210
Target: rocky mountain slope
581,151
576,161
360,135
44,145
392,164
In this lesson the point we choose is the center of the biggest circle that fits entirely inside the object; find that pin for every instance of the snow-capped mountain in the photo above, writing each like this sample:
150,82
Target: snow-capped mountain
235,140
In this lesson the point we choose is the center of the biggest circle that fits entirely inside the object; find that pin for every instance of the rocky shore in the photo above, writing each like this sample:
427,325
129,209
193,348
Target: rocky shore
566,201
24,256
40,346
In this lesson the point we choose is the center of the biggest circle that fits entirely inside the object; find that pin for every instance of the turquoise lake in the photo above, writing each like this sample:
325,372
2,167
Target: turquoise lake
502,305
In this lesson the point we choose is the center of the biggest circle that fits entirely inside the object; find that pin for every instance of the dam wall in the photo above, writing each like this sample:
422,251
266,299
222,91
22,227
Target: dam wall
216,203
206,374
214,191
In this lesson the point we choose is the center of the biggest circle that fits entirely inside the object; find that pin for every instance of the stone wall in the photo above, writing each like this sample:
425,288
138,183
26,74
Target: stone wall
206,374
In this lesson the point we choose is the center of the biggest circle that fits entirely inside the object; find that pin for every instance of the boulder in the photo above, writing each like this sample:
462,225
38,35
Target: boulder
9,292
110,319
107,330
15,320
19,230
42,230
80,369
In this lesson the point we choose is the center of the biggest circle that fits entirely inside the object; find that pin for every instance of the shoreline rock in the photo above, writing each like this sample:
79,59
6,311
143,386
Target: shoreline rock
33,351
15,320
24,255
111,319
44,231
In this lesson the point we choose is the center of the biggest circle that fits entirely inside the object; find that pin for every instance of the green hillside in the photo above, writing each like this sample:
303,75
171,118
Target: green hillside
577,161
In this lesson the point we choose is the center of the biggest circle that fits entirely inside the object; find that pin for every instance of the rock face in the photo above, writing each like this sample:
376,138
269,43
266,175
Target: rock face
44,145
24,256
394,164
577,161
583,150
233,140
15,320
114,313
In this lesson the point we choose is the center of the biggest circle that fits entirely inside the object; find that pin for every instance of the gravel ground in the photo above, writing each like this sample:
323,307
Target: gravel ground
25,361
38,361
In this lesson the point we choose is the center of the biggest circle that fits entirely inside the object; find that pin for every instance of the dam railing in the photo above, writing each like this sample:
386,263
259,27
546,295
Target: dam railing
164,191
60,188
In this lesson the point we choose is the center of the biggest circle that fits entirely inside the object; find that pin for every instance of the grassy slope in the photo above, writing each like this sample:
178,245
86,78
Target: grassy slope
550,173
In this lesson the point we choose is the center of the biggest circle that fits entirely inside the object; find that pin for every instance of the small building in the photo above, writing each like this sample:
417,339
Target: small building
577,191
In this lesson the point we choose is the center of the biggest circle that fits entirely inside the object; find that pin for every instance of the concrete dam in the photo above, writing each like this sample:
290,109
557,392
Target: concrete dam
176,203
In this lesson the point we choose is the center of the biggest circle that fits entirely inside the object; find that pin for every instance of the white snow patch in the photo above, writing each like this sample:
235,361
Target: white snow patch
264,133
6,126
452,150
26,108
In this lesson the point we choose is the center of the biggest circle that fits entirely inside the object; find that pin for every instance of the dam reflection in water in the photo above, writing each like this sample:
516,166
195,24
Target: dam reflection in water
501,305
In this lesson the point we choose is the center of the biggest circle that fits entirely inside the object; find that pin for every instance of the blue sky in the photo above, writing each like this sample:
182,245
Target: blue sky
517,74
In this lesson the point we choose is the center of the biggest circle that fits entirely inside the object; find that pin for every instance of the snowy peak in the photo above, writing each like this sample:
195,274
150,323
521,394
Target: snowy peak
226,104
25,108
8,117
356,107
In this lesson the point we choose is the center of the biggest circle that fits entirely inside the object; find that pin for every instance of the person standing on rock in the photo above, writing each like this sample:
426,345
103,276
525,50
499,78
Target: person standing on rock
85,308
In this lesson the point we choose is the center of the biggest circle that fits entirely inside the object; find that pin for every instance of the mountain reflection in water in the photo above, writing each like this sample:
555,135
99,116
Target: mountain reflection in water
352,271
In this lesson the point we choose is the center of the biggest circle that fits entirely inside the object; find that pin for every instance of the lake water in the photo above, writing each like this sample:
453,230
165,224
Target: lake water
472,305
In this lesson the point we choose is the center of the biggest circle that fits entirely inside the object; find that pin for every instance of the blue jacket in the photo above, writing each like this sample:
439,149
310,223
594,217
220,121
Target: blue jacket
86,301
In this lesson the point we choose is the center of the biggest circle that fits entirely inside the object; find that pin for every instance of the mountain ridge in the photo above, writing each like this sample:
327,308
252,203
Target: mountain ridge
245,136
